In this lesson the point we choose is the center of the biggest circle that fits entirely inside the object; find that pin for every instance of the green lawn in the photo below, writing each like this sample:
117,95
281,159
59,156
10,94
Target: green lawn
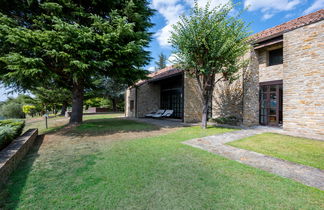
300,150
102,126
55,123
157,172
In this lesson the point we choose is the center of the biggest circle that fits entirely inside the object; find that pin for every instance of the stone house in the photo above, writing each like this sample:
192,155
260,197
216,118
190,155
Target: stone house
282,86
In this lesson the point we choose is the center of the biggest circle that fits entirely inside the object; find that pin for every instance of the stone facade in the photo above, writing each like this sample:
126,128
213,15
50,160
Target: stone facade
130,102
303,79
251,90
266,72
227,99
142,100
192,100
302,73
14,153
148,98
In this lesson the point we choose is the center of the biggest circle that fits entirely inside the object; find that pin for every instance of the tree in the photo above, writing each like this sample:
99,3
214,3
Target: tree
210,45
52,98
69,42
13,107
112,89
161,63
93,102
29,110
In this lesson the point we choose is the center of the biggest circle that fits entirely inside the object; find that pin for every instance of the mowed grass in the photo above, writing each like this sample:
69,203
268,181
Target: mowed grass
102,126
56,123
299,150
149,173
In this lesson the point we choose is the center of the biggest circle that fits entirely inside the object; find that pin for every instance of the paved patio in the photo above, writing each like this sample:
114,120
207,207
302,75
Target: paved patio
216,144
168,123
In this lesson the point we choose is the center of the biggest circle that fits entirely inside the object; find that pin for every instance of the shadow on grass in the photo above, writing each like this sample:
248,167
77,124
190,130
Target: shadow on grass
52,130
10,193
98,127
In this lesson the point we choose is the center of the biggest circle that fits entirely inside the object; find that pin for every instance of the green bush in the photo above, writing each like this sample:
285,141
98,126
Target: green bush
9,130
231,120
12,110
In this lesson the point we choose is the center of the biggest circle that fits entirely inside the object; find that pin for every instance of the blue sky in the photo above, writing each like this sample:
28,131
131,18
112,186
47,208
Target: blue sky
261,14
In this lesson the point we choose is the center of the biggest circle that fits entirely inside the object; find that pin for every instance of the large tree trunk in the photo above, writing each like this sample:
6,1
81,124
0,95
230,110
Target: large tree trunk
77,103
114,104
63,109
204,116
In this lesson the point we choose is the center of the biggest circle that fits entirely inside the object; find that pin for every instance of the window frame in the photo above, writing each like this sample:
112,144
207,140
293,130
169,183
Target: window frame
270,58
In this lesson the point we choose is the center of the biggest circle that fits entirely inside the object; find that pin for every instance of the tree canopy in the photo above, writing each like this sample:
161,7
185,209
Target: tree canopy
210,44
68,42
111,89
161,63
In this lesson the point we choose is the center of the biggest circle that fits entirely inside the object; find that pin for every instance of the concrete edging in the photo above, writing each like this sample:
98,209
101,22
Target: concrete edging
216,144
14,153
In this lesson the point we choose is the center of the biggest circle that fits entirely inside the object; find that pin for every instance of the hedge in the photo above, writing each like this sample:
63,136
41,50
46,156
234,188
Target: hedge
230,120
9,130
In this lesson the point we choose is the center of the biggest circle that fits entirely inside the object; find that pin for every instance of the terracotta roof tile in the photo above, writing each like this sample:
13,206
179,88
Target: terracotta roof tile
290,25
258,37
166,72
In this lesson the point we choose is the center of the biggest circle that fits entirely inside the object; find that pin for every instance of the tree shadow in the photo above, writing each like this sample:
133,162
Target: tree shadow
11,191
229,101
108,126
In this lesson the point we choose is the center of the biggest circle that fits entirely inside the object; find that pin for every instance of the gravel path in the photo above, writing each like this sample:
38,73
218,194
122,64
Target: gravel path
216,144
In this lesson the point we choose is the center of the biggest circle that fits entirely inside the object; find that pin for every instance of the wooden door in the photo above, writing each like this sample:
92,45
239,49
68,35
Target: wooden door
271,103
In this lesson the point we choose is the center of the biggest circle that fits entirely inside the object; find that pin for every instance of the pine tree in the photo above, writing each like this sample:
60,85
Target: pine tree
161,63
68,42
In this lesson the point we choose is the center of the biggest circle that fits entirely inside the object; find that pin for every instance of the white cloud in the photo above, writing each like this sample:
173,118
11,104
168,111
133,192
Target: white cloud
172,59
270,7
151,68
289,15
267,16
202,3
318,4
171,10
267,5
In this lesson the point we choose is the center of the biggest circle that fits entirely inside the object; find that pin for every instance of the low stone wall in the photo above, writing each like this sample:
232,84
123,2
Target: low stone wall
96,110
14,152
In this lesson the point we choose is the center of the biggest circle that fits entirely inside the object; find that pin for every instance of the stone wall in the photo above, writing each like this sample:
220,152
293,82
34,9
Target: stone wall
14,153
146,101
130,98
266,72
148,98
227,99
251,90
303,84
192,100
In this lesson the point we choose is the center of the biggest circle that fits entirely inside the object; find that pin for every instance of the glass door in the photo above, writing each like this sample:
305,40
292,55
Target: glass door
172,99
271,104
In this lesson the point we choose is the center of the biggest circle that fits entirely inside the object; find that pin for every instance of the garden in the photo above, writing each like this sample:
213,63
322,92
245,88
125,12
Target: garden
9,130
126,164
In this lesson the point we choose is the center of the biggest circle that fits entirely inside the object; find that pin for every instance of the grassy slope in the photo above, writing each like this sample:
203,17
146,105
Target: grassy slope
300,150
56,123
149,173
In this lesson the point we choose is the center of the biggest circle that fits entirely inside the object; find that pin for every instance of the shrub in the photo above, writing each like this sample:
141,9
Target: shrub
9,130
29,109
12,110
231,120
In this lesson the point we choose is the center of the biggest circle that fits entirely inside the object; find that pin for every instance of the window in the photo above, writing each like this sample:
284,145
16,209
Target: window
275,57
131,105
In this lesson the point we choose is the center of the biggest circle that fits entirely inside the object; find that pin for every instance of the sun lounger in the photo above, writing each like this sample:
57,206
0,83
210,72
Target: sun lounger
150,114
167,113
156,114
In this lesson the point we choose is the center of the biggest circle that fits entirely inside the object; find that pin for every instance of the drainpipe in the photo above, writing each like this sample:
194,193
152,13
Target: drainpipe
243,95
135,102
183,100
